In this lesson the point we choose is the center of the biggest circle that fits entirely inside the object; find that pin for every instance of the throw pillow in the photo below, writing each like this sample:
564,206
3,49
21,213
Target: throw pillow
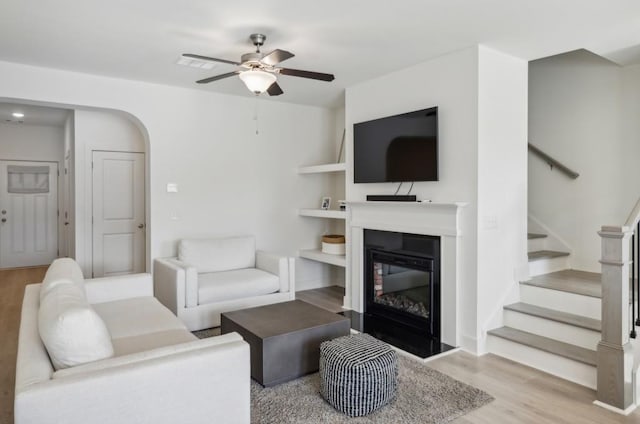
61,271
72,332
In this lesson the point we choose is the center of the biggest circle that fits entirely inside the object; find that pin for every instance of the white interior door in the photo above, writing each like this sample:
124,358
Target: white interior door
28,213
118,213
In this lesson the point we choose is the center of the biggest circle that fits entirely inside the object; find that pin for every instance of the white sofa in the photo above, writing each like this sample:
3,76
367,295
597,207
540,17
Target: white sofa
211,276
154,369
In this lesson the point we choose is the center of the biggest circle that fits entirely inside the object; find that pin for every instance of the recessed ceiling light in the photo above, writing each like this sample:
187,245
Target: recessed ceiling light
17,115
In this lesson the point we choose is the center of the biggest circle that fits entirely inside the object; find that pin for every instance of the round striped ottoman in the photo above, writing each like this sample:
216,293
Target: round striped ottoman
358,374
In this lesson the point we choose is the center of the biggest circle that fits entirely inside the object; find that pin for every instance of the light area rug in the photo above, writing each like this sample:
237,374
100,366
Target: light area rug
424,396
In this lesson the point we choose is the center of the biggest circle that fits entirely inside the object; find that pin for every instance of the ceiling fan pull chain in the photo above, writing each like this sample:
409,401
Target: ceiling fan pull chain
255,115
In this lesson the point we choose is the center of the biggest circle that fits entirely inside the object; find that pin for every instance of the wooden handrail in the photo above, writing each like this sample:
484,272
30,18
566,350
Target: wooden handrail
553,162
634,216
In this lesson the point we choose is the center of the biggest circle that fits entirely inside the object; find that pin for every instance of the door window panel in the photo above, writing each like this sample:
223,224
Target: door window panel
28,179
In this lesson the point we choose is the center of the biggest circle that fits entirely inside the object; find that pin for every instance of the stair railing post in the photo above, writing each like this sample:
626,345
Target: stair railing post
615,355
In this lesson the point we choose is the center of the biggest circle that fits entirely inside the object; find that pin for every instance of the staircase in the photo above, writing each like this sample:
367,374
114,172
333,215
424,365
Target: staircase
544,256
556,325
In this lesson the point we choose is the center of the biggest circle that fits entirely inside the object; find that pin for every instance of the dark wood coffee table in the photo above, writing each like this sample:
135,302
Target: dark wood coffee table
284,338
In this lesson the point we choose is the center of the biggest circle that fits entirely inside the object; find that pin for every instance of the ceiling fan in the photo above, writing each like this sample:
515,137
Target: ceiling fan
258,71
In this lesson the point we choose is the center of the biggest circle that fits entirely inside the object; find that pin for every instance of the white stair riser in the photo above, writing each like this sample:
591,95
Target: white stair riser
636,381
546,266
566,333
562,301
560,366
536,244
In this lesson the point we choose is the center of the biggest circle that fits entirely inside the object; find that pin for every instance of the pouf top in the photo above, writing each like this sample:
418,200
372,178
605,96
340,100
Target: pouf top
356,350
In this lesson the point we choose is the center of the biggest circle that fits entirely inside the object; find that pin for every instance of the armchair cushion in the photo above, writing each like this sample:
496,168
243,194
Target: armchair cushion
71,330
214,255
236,284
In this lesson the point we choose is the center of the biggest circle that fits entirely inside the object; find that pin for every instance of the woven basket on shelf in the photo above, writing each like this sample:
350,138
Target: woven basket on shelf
333,244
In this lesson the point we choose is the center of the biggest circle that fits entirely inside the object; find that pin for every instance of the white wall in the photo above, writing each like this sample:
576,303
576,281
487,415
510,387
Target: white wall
31,142
337,226
502,184
68,202
105,131
35,143
576,115
231,180
451,83
630,136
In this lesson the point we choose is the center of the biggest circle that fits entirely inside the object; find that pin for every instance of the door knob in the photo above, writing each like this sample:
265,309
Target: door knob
4,219
140,225
66,223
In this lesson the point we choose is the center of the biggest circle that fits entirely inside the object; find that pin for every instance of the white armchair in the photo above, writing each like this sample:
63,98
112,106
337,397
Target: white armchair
211,276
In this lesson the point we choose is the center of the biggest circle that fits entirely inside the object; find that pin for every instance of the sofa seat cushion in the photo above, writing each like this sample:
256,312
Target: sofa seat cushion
215,255
241,283
143,342
137,316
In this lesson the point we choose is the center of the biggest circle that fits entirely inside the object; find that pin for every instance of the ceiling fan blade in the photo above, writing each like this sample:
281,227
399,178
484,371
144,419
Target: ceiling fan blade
217,77
274,89
306,74
209,59
276,57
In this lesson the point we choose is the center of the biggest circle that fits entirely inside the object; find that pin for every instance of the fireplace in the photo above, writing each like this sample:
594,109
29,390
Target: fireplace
402,289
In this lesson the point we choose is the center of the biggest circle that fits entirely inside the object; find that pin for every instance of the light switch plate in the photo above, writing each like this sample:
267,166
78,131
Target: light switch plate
172,188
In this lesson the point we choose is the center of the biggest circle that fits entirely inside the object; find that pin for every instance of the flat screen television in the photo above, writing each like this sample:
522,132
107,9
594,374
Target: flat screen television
397,148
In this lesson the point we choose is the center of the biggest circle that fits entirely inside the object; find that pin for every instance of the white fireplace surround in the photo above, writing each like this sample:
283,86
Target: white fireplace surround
427,218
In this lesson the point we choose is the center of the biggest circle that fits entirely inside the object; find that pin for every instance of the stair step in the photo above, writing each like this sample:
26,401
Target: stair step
576,353
546,254
555,315
569,280
531,236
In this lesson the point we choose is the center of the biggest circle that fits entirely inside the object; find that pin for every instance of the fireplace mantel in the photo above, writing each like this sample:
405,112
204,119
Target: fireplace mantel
441,219
431,218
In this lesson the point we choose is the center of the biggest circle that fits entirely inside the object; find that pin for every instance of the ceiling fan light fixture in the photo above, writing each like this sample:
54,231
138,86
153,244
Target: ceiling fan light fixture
256,80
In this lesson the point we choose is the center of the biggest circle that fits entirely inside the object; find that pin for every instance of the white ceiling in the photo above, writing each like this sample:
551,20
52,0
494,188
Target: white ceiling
33,115
354,39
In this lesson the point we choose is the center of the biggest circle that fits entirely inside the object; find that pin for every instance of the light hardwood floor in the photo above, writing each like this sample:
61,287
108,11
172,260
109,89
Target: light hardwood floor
523,395
12,282
330,298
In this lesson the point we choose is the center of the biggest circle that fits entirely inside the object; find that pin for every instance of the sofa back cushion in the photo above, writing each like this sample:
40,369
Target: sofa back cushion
70,329
223,254
61,271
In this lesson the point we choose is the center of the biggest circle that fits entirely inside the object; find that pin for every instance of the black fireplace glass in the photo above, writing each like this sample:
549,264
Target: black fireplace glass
401,288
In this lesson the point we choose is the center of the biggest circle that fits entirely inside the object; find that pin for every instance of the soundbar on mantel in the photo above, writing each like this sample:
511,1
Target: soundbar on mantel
392,198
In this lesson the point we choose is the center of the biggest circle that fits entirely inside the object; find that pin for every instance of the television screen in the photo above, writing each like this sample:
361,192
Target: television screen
397,148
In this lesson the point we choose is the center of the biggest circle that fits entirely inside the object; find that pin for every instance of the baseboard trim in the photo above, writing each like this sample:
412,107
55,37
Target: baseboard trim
470,344
625,412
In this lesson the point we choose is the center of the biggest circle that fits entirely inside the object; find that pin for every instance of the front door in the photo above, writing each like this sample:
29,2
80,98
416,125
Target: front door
118,213
28,213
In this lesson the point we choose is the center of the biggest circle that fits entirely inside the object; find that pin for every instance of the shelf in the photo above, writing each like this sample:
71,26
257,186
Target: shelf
317,255
316,169
321,213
